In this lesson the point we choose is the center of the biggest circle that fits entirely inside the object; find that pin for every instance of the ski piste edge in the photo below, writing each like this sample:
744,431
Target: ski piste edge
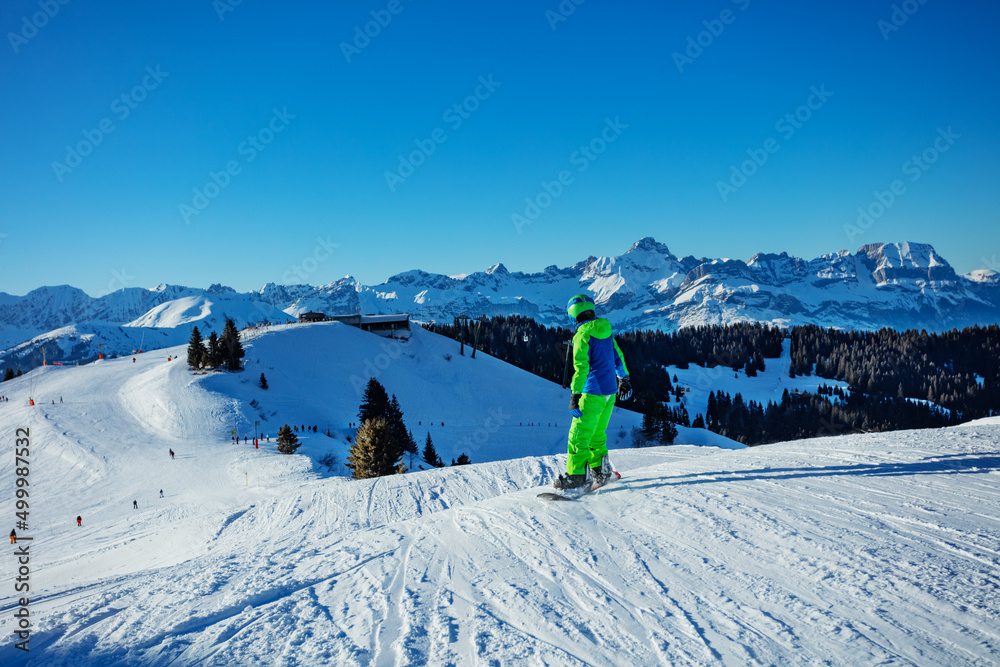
552,496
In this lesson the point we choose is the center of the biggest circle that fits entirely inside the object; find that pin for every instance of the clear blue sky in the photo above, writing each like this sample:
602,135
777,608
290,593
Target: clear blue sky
200,78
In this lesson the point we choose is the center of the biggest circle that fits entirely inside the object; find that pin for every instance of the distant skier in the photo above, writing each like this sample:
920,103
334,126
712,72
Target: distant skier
599,374
161,493
13,536
171,454
135,504
79,520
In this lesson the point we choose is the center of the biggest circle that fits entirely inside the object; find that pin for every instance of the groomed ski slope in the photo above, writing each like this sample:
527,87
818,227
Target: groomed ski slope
873,549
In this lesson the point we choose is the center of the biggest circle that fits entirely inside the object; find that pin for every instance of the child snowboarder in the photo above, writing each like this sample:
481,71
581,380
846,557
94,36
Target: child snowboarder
79,520
599,374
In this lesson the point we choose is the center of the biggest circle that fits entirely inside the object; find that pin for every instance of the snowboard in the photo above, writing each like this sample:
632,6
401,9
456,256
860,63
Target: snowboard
577,494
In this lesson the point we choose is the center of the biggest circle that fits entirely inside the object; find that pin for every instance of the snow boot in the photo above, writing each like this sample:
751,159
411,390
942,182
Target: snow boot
603,473
571,482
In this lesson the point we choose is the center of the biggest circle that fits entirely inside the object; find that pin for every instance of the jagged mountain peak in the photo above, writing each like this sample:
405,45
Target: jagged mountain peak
498,269
270,288
892,262
907,253
646,256
762,257
649,244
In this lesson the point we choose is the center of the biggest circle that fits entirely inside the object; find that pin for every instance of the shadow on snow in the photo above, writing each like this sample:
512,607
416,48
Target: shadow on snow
937,465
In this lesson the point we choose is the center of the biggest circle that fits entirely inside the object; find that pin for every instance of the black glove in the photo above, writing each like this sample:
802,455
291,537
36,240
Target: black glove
574,406
624,389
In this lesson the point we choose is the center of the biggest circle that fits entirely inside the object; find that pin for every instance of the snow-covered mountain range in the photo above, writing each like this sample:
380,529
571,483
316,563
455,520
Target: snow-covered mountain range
898,285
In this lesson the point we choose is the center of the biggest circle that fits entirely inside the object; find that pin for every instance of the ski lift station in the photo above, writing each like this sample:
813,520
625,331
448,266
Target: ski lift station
389,326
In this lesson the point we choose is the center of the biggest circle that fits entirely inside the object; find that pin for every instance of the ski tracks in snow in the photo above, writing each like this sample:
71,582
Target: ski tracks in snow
877,553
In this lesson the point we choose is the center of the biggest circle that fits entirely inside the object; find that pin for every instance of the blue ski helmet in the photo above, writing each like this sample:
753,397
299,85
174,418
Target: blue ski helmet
579,304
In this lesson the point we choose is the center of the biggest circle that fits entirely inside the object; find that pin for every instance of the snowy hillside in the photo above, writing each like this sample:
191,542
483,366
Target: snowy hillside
875,549
482,407
896,285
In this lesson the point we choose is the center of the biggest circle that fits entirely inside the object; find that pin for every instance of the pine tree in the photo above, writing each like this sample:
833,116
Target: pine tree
394,415
214,350
374,402
362,457
288,442
668,432
649,423
263,381
232,349
8,374
196,349
431,457
371,456
463,460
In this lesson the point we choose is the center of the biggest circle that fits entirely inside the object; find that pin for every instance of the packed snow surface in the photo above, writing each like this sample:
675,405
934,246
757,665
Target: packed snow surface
873,549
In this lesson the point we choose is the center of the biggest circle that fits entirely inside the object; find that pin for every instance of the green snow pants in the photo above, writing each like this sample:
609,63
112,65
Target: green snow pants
588,436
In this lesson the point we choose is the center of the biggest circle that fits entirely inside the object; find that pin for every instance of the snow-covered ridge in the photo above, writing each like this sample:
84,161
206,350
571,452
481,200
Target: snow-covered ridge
898,285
